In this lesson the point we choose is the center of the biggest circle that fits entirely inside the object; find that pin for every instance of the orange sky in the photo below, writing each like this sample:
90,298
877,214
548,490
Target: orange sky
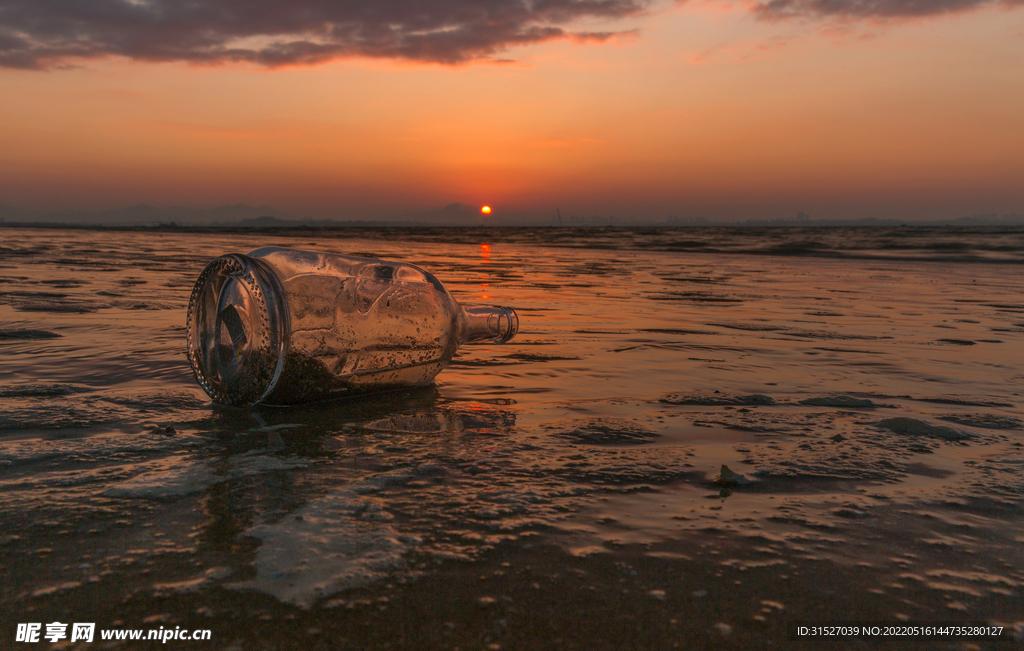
695,109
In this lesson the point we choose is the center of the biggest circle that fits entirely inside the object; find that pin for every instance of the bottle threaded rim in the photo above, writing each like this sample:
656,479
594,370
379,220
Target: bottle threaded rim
237,330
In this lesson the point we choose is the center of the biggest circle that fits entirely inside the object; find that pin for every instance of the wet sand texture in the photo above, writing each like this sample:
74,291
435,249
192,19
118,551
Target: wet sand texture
699,437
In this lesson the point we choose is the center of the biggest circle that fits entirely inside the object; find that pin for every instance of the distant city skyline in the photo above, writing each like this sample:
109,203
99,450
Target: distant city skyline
719,110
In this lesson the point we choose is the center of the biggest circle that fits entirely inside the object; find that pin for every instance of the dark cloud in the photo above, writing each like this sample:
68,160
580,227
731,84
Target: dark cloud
781,9
44,33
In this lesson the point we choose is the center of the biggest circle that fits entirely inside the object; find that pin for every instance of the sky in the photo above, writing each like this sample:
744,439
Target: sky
637,109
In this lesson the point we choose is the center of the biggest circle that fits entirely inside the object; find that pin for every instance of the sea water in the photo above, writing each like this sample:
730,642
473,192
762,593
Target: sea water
699,437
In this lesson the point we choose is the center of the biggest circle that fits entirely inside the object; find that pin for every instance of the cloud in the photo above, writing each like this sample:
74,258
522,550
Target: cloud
870,9
48,33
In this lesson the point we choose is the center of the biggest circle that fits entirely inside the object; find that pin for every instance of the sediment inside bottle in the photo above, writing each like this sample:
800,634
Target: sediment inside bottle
306,379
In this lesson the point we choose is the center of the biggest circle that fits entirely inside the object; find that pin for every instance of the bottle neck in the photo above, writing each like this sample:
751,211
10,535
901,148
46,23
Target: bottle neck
491,324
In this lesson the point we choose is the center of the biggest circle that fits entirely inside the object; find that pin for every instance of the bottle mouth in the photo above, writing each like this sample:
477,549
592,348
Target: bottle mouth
237,334
506,324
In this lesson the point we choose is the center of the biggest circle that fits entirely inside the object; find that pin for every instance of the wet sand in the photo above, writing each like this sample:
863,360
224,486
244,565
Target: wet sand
565,490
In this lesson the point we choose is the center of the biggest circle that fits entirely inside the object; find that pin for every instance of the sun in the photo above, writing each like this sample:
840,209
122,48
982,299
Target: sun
486,210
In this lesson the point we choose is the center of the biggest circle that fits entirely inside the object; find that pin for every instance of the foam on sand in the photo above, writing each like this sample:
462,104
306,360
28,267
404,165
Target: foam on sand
340,541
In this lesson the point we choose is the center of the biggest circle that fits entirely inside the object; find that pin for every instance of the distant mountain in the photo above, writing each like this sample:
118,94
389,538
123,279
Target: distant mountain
240,215
266,221
454,214
144,215
991,219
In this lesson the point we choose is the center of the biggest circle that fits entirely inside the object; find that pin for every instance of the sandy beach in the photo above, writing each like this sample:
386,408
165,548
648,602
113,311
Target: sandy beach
700,438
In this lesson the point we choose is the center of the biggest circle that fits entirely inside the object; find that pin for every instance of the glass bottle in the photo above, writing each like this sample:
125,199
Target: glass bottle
279,326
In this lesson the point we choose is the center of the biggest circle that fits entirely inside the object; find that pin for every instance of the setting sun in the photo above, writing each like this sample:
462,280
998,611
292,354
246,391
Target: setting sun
486,210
